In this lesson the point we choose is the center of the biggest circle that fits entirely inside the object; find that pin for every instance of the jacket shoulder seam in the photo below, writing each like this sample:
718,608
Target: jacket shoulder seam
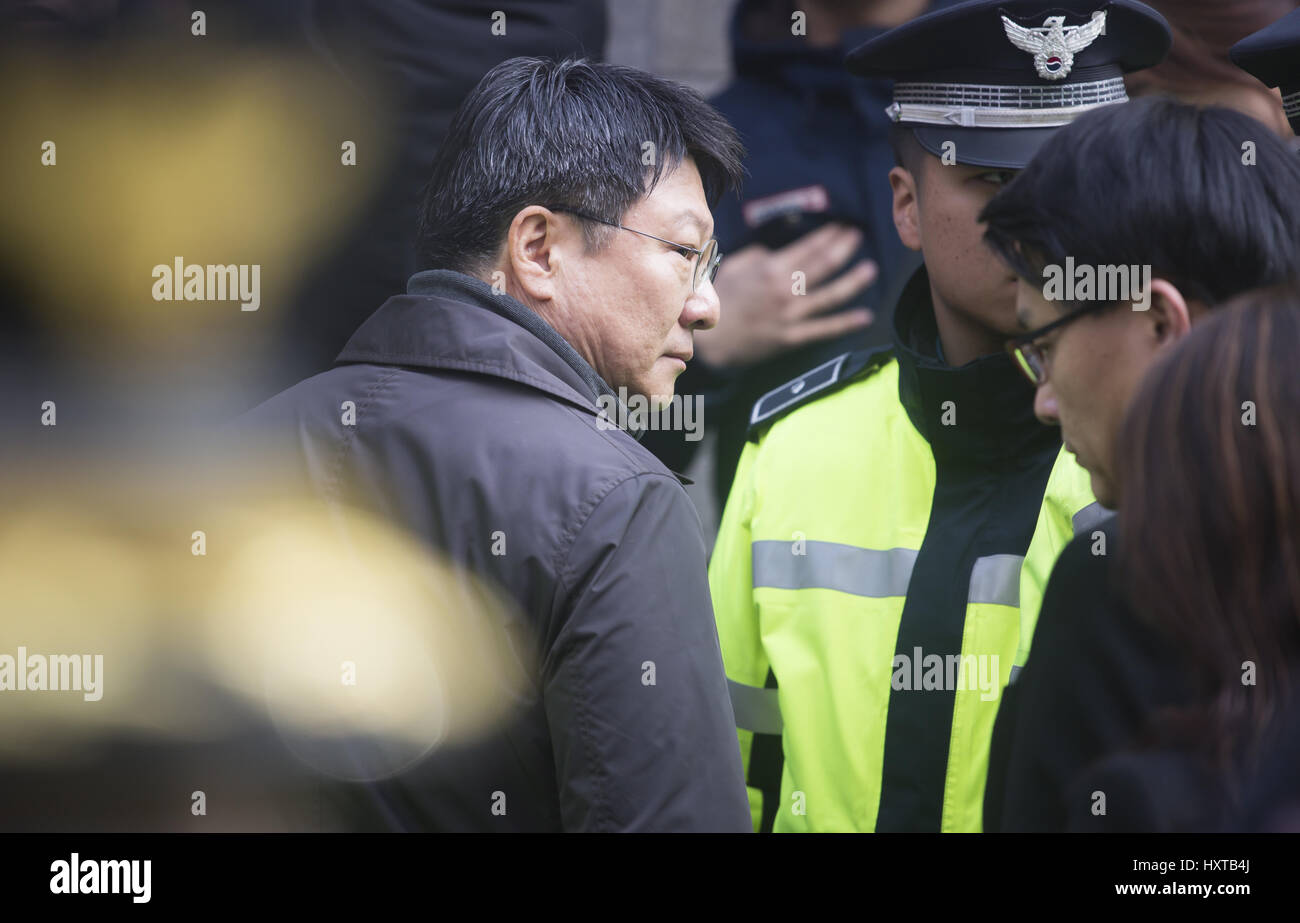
348,438
603,808
585,512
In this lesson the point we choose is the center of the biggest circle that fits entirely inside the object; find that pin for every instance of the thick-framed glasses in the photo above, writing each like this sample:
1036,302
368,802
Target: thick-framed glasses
1028,355
707,259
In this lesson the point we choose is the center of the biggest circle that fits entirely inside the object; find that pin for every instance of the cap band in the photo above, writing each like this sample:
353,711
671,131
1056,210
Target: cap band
1291,104
993,106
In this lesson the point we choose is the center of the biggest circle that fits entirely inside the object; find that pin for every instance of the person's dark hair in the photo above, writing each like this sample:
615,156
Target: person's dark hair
1209,467
543,132
1155,182
908,152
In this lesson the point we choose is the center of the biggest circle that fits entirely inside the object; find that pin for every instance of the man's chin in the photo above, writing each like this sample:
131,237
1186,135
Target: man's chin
660,398
1103,490
658,393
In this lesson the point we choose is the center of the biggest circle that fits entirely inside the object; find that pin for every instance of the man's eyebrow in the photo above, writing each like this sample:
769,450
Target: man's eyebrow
690,217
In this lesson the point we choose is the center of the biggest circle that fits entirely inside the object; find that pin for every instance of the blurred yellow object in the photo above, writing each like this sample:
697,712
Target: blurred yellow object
225,157
343,626
363,649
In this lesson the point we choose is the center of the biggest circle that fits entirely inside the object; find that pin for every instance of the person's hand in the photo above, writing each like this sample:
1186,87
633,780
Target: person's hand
761,315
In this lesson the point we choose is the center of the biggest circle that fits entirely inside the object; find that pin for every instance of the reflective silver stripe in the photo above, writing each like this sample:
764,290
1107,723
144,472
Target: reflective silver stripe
989,118
1015,671
994,106
832,566
1088,517
757,710
996,97
996,579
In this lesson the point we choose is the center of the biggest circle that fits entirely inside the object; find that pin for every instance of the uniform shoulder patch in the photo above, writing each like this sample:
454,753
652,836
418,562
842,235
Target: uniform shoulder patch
815,382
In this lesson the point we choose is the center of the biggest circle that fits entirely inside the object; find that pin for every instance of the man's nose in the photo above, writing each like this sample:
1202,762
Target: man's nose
702,308
1045,405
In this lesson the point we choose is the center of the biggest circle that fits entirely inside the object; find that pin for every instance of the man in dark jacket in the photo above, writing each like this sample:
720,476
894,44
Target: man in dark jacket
483,423
1091,201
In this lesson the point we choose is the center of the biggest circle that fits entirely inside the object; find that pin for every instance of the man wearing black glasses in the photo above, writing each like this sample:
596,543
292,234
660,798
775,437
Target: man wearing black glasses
1207,203
1200,239
642,336
564,269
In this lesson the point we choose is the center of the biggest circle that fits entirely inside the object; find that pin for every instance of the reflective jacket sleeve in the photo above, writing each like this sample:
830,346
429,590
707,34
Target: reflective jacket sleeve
732,584
635,694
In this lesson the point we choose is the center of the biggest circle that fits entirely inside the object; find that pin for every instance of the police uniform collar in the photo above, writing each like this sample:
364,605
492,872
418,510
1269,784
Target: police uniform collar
978,413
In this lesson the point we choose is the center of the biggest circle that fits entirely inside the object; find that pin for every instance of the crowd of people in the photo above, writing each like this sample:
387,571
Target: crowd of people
992,307
1021,558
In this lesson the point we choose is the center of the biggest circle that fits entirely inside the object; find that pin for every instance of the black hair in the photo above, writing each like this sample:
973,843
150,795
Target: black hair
1160,183
536,131
908,152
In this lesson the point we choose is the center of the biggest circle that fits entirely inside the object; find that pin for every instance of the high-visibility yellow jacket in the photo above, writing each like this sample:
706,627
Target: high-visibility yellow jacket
877,576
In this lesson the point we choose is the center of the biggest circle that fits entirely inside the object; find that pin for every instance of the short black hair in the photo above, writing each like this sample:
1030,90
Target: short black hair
908,152
537,131
1160,183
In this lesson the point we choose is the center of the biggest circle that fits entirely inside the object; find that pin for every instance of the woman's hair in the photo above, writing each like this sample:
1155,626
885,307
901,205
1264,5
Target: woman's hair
1209,468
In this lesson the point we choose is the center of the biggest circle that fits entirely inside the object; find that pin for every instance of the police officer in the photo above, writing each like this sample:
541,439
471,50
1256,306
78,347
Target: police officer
895,513
1272,55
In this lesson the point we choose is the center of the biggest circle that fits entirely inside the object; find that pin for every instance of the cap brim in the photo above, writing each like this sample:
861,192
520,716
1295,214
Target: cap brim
1001,148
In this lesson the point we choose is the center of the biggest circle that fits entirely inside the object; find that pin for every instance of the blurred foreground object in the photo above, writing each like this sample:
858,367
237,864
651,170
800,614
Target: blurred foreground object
254,649
123,163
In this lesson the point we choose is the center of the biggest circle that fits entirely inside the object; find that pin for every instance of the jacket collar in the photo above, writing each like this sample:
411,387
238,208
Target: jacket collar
992,401
450,320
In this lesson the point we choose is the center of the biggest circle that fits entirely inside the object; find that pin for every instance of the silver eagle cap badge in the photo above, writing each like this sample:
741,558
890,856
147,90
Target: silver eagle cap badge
1054,44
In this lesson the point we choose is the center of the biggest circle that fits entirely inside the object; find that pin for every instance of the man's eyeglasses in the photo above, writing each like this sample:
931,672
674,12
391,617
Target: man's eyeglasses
1029,356
706,265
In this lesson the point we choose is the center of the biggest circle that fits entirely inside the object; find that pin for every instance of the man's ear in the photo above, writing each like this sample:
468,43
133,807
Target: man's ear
1169,315
906,218
533,250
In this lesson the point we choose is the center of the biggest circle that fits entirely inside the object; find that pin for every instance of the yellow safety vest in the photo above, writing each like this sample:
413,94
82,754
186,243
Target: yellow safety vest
837,525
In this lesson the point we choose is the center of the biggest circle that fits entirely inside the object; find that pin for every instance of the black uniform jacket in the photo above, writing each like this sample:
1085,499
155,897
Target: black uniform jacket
475,417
